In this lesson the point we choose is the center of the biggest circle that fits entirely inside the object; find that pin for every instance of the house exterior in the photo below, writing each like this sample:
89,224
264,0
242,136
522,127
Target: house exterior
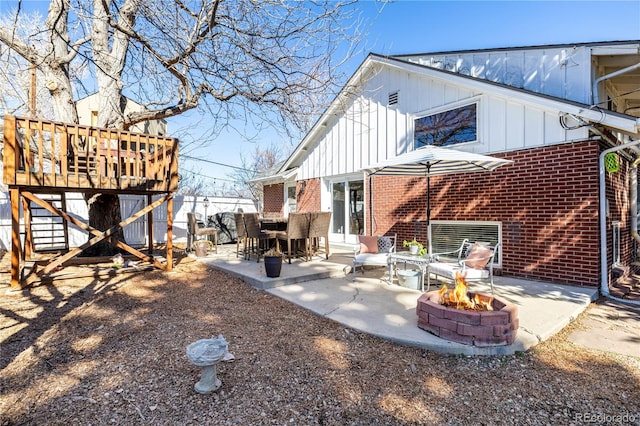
88,107
566,115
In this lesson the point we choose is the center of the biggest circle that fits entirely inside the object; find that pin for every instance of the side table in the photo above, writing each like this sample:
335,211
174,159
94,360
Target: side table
421,262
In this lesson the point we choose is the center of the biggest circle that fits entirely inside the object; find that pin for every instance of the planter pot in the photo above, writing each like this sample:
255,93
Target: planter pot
414,250
202,247
272,266
409,278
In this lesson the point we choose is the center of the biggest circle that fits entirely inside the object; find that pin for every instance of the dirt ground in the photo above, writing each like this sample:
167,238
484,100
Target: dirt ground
98,351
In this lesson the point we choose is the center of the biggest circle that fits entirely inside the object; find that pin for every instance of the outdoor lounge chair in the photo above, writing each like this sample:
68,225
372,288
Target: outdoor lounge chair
474,262
373,251
195,230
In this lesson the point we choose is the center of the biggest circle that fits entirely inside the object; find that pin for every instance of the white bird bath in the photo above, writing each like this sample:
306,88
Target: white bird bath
206,353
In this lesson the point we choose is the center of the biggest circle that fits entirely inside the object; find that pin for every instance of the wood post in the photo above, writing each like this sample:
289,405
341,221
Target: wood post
170,232
150,225
15,237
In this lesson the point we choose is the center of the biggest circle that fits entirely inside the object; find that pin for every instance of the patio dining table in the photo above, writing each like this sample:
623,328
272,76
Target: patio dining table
273,223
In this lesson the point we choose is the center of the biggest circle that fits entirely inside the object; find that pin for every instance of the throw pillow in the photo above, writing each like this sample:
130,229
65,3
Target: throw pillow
384,244
368,244
478,257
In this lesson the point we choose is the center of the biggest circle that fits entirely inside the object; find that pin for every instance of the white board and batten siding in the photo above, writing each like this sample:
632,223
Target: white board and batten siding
560,71
135,233
368,130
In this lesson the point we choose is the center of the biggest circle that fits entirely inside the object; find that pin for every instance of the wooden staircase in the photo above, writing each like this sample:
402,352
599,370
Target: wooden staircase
48,232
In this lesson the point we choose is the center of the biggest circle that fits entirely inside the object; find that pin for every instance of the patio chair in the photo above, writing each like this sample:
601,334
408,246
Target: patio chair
373,251
473,260
257,240
240,232
319,228
195,230
297,232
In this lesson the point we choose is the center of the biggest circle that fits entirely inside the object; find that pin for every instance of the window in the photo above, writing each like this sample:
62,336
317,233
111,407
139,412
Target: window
447,235
291,199
445,128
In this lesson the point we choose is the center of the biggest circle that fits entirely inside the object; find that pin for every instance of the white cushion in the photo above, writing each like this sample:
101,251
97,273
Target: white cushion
375,259
449,270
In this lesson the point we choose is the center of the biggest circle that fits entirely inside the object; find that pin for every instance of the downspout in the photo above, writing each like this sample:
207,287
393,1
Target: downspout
604,276
594,92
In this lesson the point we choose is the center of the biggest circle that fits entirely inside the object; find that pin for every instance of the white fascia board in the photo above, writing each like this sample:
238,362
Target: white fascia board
277,178
266,179
600,116
623,49
290,174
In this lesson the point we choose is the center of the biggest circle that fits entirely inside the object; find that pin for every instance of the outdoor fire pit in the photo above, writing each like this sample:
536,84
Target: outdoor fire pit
468,318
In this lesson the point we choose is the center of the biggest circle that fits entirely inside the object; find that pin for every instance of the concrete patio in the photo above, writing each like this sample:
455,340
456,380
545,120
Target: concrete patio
371,305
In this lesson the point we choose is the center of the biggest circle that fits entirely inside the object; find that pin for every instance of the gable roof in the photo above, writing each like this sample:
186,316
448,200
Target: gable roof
594,44
621,122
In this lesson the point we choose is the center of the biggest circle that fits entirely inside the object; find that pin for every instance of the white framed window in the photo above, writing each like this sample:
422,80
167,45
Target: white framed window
447,127
292,202
447,235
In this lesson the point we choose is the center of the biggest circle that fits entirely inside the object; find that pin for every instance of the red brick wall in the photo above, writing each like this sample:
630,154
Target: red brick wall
617,194
308,195
547,201
273,198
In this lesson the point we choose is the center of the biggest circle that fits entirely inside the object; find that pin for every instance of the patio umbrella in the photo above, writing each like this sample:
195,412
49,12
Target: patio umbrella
434,160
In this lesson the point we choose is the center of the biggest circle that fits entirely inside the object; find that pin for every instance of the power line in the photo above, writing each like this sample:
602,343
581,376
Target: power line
209,177
215,162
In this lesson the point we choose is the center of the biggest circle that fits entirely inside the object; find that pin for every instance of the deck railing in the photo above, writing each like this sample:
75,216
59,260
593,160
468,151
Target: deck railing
52,154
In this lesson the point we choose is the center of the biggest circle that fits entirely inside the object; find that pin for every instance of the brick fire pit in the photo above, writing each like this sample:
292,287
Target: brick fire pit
478,328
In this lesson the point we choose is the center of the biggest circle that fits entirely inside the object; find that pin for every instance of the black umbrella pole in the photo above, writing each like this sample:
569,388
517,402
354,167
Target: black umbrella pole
428,207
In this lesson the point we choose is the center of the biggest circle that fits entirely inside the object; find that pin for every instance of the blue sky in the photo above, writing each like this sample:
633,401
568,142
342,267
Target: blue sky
405,26
430,26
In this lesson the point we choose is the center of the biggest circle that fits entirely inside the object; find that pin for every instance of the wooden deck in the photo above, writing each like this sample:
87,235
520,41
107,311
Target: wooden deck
41,153
43,157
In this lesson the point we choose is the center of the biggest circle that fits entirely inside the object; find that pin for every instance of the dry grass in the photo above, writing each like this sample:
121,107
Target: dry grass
113,352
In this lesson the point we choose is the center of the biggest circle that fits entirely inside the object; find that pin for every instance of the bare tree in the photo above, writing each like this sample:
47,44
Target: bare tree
233,59
191,183
261,162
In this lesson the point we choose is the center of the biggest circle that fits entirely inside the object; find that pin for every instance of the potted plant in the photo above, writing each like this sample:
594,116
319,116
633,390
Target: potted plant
415,248
273,262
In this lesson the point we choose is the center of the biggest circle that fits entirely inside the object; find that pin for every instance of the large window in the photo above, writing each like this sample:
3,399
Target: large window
445,128
447,235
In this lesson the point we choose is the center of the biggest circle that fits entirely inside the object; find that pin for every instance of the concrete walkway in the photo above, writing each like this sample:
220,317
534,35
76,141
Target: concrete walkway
371,305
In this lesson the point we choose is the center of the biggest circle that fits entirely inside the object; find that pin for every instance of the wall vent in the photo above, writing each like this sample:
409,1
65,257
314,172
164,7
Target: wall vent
393,98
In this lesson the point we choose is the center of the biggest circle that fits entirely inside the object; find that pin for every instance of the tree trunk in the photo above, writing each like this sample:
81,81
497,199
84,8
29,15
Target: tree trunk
104,212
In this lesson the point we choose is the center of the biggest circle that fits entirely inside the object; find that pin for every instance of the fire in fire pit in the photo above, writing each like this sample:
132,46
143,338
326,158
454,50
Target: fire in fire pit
459,299
468,318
